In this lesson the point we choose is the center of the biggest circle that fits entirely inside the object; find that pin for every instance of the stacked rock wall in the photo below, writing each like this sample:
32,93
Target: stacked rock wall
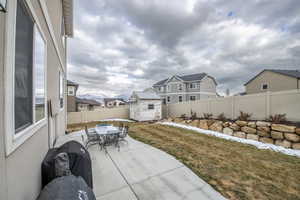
279,134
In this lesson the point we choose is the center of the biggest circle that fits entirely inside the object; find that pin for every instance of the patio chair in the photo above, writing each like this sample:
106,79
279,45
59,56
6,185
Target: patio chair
124,134
92,138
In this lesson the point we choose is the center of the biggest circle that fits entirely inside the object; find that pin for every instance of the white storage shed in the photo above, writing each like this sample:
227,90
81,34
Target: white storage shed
145,106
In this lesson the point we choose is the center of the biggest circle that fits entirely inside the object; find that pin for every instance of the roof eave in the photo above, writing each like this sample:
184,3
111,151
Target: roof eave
68,17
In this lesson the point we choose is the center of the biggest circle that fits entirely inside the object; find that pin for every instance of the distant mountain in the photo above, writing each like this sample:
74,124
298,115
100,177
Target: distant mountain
123,96
98,98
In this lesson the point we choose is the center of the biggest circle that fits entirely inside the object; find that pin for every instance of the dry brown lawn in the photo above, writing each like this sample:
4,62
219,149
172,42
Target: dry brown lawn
236,170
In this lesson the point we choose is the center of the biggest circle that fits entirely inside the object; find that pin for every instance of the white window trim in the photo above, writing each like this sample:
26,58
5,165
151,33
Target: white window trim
192,96
12,140
63,90
193,86
179,86
181,98
261,86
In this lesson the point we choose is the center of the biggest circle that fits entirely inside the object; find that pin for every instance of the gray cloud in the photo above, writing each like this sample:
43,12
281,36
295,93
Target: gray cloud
120,46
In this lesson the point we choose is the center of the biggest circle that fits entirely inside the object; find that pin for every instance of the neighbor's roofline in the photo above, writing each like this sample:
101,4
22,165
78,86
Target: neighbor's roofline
68,17
270,70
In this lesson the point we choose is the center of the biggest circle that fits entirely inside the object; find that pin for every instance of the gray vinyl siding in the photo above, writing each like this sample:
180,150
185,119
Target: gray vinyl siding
206,88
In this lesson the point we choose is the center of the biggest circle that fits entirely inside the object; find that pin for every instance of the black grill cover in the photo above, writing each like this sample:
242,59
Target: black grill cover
79,158
67,188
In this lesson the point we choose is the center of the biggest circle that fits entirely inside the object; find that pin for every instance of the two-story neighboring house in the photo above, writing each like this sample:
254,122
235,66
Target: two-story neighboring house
186,88
273,80
71,96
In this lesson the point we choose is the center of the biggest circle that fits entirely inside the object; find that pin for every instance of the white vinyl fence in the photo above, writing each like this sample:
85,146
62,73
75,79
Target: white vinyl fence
261,106
103,113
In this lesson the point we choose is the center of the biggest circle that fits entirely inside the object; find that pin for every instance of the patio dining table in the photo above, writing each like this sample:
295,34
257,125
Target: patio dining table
109,134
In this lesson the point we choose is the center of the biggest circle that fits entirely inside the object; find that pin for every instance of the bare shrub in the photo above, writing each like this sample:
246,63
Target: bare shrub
207,115
183,116
193,115
244,116
277,118
222,117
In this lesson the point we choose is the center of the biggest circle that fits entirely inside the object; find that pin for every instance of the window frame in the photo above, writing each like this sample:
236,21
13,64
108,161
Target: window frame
192,85
179,87
152,106
13,140
168,99
262,86
179,98
191,98
61,78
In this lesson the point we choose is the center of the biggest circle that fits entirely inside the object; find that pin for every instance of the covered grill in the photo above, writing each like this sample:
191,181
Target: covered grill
79,163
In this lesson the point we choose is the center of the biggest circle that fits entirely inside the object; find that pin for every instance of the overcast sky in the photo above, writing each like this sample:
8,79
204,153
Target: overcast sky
125,45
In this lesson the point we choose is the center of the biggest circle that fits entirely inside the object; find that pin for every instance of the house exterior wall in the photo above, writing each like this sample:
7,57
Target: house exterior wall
20,170
206,88
275,81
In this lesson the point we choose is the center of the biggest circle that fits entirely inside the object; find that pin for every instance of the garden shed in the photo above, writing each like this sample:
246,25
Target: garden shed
145,106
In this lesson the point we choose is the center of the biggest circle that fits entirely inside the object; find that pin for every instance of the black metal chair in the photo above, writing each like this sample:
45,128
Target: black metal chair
123,134
92,137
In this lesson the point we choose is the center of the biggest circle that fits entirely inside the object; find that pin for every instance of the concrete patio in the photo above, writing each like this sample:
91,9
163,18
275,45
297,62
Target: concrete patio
141,172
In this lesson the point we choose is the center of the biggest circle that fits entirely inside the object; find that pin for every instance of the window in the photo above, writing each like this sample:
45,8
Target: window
164,101
23,68
71,90
168,99
29,87
161,88
150,106
180,98
39,63
61,90
168,88
193,85
264,86
192,98
180,87
25,75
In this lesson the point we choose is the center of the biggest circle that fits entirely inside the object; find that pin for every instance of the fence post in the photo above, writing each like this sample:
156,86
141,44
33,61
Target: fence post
268,104
232,107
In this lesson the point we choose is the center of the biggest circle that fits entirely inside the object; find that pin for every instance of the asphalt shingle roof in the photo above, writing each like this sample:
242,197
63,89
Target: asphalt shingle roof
293,73
72,83
191,77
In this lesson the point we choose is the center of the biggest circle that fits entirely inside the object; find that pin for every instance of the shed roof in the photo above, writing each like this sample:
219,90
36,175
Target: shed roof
147,95
291,73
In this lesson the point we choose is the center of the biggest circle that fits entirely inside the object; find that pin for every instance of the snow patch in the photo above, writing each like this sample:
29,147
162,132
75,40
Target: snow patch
116,120
259,145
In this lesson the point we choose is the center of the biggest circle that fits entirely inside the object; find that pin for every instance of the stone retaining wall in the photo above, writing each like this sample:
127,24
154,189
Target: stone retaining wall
278,134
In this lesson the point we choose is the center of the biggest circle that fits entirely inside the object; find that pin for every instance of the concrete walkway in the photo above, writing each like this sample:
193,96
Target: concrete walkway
141,172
